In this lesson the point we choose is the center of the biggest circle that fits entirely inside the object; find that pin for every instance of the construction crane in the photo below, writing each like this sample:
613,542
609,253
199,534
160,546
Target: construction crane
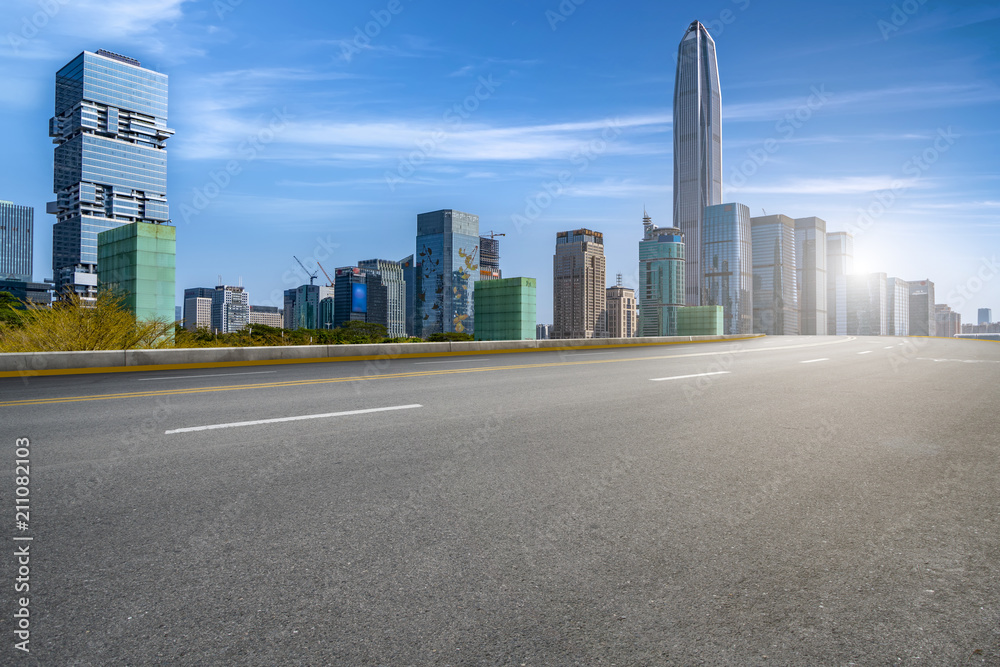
493,234
328,278
312,276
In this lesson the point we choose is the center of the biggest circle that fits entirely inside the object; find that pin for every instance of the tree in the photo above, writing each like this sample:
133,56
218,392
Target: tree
449,336
355,332
10,310
72,325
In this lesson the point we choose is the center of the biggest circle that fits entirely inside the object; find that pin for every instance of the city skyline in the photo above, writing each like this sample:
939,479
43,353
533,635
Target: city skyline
319,142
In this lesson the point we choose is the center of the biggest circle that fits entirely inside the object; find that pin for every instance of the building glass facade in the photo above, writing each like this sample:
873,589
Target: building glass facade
701,321
922,320
810,274
866,305
697,145
17,226
230,309
110,130
579,295
775,292
139,261
360,295
489,258
985,316
447,266
661,279
839,263
391,276
897,304
506,309
727,269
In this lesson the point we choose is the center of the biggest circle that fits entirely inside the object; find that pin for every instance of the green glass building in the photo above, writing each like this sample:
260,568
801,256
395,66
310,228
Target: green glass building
139,259
505,309
700,321
661,279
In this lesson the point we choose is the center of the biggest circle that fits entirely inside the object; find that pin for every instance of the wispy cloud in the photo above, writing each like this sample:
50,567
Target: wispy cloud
845,185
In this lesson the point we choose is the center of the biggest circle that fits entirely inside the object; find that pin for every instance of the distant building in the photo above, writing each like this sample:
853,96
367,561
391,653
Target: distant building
447,265
621,305
948,323
198,308
110,131
810,272
727,265
775,293
489,258
839,263
359,295
922,318
269,316
391,276
16,242
506,309
39,294
700,321
866,305
542,331
897,296
301,307
661,279
138,260
179,314
985,316
697,146
230,309
579,303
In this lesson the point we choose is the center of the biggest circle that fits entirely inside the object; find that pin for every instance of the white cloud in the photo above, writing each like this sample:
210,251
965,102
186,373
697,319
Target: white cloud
846,185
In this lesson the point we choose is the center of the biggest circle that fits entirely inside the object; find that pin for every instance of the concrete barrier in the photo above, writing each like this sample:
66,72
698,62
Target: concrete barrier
111,361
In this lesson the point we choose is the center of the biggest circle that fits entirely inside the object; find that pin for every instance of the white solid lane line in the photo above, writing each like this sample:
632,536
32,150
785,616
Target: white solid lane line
212,375
684,377
191,429
888,348
865,352
813,361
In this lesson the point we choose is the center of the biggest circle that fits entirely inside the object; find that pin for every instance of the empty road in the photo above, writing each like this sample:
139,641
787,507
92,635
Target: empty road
780,501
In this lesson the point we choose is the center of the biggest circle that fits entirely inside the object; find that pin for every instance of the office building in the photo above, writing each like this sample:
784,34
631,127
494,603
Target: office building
700,321
359,295
948,323
985,316
489,258
110,131
17,228
866,304
622,316
810,274
391,275
410,282
506,309
579,296
39,294
727,265
230,309
447,265
839,263
661,279
922,318
775,292
269,316
897,298
697,146
138,260
301,307
198,308
543,331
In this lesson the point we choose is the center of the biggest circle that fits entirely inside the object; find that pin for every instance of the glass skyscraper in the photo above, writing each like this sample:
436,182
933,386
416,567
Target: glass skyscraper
110,131
446,268
697,145
839,263
17,224
661,279
391,276
810,273
727,271
775,293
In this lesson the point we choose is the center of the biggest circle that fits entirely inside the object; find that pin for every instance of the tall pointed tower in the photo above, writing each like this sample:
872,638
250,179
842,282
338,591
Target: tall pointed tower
697,146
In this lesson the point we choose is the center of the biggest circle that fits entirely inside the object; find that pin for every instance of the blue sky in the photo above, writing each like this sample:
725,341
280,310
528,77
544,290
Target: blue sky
322,129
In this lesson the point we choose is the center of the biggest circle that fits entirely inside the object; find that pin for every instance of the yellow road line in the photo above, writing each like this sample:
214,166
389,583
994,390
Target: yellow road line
385,376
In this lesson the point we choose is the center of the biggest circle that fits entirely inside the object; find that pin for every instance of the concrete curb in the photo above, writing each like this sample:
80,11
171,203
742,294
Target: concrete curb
28,364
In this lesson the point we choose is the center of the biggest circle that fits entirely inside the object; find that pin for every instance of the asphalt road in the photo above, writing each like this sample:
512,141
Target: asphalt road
799,501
